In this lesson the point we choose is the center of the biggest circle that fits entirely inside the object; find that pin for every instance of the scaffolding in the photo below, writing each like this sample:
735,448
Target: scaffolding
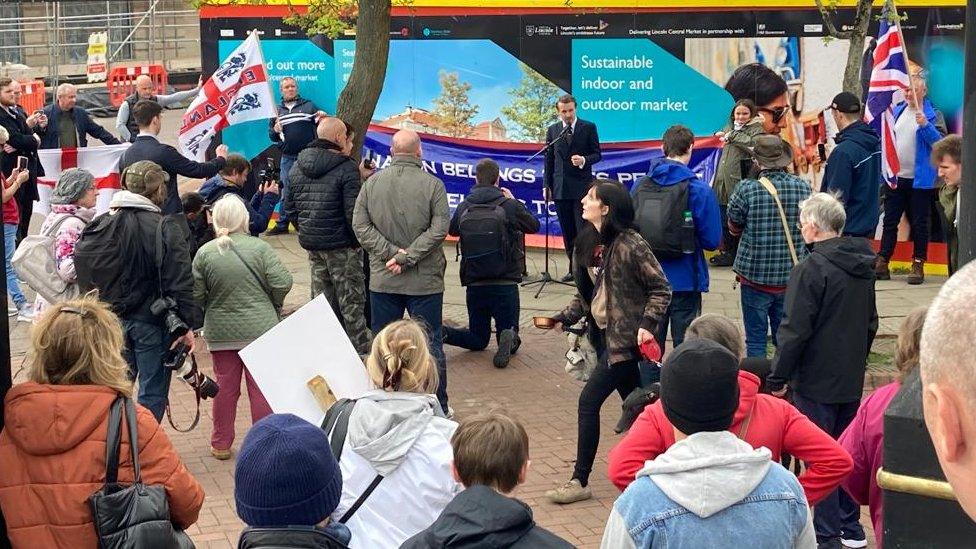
49,40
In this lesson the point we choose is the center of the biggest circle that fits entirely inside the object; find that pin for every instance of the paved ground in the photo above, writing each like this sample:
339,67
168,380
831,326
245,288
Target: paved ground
534,388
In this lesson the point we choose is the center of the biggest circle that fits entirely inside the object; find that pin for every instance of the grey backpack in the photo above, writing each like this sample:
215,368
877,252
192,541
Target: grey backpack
35,264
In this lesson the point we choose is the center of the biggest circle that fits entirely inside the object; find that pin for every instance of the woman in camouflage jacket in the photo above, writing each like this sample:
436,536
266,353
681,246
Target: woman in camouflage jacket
623,294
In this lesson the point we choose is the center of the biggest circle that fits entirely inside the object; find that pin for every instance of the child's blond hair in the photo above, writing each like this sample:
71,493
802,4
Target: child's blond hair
400,359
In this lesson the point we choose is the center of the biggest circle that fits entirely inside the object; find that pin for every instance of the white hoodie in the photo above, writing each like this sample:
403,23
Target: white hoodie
705,473
405,438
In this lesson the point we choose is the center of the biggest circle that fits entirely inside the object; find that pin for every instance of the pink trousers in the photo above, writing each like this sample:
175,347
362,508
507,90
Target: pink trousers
228,368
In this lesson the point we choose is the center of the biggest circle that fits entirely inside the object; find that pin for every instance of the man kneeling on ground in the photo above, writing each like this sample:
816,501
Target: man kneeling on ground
491,222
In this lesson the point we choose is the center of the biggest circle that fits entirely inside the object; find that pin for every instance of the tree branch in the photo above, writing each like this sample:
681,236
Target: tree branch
831,29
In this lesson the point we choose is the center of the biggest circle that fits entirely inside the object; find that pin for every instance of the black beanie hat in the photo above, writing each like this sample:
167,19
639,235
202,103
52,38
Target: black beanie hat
700,386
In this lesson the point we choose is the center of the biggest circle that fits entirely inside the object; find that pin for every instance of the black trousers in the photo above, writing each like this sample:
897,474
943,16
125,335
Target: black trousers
570,215
623,377
917,203
25,204
730,244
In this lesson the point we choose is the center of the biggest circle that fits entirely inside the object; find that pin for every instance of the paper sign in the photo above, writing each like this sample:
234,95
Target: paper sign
308,343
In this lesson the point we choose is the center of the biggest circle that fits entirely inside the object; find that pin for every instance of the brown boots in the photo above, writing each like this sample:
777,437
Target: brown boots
917,275
881,271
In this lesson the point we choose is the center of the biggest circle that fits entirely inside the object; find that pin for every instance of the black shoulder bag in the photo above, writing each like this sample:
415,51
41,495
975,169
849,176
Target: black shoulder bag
134,516
336,425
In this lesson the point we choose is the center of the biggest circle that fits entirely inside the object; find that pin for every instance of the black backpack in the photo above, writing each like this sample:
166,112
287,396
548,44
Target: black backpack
659,212
485,245
110,257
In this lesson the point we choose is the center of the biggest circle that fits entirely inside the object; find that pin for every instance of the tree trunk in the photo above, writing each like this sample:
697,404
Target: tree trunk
855,55
358,99
856,36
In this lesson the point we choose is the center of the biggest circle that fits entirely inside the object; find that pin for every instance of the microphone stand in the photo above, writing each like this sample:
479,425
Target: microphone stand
544,277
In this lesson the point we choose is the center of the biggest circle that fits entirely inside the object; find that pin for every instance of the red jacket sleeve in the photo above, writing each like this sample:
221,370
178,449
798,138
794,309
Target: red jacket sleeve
858,483
647,439
827,463
161,465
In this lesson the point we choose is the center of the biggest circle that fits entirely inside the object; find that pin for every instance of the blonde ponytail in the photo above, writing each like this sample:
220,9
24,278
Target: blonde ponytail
400,359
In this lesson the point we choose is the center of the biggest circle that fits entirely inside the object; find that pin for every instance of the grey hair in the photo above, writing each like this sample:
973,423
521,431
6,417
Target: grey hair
229,216
64,88
4,135
824,210
946,353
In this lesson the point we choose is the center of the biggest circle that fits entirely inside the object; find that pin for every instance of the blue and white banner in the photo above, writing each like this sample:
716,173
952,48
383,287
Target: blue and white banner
453,161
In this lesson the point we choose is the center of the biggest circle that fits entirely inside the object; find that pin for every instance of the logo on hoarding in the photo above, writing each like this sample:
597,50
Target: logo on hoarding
813,28
529,30
602,25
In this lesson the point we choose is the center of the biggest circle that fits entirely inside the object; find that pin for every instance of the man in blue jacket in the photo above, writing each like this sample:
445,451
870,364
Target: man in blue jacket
69,126
688,274
854,166
915,133
292,130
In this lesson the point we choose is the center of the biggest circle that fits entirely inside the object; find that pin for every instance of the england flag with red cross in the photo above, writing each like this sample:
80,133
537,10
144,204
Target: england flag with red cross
237,92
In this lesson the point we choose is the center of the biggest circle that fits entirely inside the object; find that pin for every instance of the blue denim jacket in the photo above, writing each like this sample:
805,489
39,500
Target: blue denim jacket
711,490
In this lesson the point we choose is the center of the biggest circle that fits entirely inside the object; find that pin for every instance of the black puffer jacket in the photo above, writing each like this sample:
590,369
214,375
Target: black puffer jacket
830,323
321,196
481,517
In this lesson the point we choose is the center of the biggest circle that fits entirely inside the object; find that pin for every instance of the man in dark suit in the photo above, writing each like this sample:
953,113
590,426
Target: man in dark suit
23,142
147,147
569,169
69,126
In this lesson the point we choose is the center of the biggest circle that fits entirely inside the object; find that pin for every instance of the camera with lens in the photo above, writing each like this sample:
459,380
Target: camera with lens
165,307
175,360
271,173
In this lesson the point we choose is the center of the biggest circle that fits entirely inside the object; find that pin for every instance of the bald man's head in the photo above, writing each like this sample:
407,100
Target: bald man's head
406,142
144,86
946,349
949,382
332,129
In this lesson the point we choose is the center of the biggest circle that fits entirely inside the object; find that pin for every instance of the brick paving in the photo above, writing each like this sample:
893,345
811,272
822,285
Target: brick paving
534,388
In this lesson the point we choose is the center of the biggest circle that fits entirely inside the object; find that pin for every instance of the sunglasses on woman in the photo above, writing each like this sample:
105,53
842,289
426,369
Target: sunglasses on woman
778,113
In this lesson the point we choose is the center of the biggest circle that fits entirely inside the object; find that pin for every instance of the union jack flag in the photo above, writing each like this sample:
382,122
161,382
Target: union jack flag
889,78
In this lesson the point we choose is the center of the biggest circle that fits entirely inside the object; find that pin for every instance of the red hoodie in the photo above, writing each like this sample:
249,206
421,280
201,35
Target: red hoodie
775,424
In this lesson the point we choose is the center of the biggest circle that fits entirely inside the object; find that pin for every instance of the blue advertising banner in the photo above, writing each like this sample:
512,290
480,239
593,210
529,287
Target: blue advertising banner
454,161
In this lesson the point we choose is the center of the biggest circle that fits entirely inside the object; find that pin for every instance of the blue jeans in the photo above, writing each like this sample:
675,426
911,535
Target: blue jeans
684,308
500,302
836,515
427,309
145,346
10,244
286,163
761,312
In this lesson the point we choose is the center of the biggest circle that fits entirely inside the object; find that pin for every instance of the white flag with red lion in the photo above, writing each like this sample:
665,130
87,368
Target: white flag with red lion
237,92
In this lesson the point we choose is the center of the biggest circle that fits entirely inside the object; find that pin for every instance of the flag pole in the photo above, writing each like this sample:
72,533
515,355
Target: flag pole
267,80
904,49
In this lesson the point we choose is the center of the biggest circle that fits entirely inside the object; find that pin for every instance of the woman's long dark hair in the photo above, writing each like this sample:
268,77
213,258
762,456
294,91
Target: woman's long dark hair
619,218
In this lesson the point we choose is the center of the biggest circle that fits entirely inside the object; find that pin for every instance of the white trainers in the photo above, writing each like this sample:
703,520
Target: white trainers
25,313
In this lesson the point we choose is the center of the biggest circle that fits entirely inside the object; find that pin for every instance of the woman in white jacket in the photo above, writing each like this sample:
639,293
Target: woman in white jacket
397,432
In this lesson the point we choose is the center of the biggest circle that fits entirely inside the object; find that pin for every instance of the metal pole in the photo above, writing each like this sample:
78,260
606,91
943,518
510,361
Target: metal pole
152,35
6,381
57,45
967,192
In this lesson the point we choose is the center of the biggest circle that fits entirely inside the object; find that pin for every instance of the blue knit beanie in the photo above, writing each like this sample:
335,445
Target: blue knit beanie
286,474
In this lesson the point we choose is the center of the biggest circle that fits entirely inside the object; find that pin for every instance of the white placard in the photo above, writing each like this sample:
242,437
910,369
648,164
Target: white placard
308,343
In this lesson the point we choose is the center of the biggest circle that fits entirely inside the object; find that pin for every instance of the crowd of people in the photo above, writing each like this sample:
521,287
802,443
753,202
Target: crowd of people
704,458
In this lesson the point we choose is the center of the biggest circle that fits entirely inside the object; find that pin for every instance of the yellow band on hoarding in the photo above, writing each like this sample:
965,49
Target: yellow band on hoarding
618,4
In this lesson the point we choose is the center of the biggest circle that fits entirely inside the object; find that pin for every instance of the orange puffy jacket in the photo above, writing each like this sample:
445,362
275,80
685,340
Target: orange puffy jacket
52,452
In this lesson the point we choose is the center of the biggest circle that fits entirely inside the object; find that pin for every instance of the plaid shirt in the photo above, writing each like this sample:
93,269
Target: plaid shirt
764,254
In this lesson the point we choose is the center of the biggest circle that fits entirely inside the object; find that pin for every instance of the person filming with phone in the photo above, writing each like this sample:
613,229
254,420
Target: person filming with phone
22,142
231,180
